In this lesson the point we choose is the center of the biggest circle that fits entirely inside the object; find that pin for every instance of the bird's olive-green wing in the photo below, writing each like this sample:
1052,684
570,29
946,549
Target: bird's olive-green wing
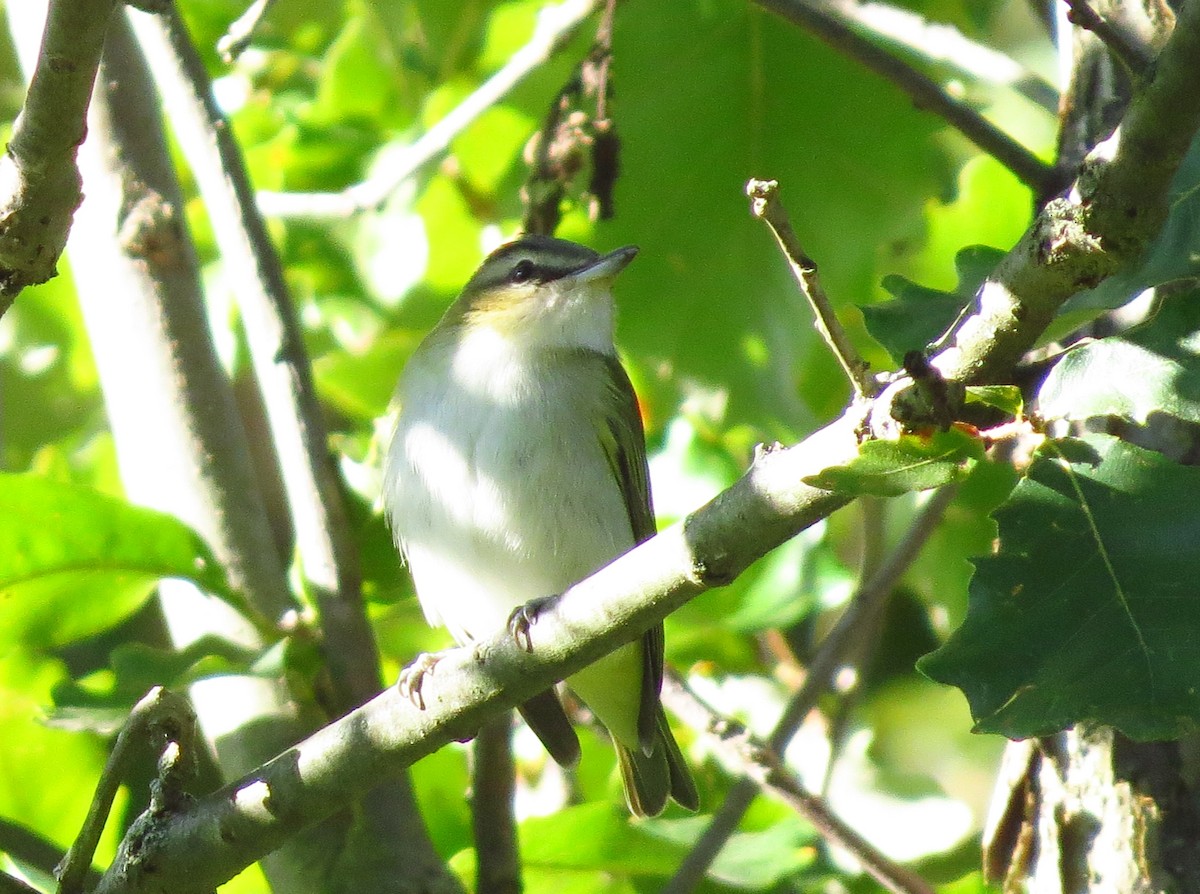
624,443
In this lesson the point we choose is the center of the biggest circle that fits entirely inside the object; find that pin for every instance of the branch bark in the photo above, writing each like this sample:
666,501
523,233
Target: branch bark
39,179
214,838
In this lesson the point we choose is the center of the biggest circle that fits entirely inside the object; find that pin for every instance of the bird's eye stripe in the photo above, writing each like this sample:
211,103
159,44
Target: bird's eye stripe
522,270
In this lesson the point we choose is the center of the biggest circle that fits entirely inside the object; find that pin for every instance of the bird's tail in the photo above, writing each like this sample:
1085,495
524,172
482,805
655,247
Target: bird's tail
650,778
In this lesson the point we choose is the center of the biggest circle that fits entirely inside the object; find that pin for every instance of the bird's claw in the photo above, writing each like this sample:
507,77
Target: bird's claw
412,677
524,617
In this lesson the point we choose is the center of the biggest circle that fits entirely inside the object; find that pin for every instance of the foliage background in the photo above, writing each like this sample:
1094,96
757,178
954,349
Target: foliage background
708,94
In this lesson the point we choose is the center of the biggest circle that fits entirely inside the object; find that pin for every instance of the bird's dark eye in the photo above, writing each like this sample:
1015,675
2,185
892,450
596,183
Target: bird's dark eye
522,270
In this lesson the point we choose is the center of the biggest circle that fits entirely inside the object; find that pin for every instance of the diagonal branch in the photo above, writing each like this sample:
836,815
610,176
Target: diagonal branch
867,604
555,26
943,43
762,769
320,775
828,24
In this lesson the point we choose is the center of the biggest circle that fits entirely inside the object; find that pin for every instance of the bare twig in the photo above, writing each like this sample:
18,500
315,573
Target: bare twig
765,205
39,179
497,858
831,27
762,768
555,25
241,30
867,603
1133,53
159,714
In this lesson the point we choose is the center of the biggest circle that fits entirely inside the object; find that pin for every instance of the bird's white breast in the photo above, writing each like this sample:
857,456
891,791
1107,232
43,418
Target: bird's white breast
497,484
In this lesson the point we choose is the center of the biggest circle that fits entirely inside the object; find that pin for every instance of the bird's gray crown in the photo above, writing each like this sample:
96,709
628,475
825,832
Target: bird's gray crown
530,260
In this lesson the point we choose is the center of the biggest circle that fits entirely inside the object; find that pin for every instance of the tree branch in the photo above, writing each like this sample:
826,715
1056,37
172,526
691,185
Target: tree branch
943,43
211,840
39,180
766,507
826,23
1116,205
866,604
493,784
555,26
241,31
390,826
180,443
281,364
1134,54
763,769
160,714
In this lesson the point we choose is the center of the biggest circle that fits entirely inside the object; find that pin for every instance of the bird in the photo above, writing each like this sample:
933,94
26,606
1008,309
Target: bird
517,467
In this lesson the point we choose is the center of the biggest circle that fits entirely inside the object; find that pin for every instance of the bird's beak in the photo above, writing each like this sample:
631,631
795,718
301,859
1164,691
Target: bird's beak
606,267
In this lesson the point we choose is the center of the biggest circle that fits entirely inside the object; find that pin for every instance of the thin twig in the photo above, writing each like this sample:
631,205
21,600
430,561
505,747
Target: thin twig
497,857
555,25
765,205
762,765
867,602
241,30
1134,54
926,93
159,713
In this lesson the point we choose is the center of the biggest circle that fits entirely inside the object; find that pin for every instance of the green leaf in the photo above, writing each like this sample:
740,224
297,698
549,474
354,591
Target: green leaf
1085,613
919,315
1155,369
74,561
1006,398
912,462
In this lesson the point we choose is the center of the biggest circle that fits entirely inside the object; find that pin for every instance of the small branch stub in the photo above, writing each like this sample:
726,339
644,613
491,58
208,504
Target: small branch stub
766,206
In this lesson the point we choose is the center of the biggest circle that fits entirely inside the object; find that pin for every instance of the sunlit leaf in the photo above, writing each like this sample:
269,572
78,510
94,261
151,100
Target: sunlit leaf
74,561
886,468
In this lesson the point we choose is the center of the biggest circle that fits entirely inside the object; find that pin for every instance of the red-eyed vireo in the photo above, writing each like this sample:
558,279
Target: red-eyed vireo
518,467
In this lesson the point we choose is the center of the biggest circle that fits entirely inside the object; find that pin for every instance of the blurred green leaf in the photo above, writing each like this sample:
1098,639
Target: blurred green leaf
360,74
1154,369
74,562
1006,398
1078,616
46,775
911,462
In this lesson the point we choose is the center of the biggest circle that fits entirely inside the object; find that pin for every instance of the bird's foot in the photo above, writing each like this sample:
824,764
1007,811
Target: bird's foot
524,617
412,677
